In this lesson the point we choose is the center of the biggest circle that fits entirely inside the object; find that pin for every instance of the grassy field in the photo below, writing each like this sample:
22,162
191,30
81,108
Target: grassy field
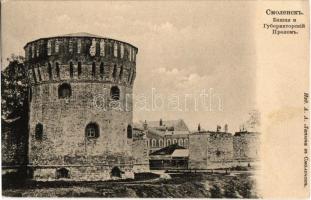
239,185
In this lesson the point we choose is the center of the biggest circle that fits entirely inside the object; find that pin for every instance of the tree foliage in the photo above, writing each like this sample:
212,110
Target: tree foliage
14,87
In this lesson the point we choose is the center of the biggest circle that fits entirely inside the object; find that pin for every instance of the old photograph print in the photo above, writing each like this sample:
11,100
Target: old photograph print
129,99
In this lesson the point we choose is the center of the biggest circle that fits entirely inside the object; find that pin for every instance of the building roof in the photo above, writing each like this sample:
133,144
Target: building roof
176,132
181,153
169,150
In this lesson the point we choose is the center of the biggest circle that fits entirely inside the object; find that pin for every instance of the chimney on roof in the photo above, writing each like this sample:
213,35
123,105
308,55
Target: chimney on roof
145,125
199,127
218,129
226,128
161,122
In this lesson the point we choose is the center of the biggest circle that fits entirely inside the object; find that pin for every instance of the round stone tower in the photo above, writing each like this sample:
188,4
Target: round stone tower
80,124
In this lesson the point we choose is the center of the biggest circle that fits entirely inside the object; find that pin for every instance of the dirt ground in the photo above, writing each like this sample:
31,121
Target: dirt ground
234,185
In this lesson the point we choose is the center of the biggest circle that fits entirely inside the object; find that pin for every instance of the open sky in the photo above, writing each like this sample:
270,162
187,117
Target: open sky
184,48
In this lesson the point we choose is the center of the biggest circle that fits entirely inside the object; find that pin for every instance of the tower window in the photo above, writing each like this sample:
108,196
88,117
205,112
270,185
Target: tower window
64,91
116,172
93,69
132,78
129,77
39,73
129,132
34,74
102,70
121,73
115,93
57,69
79,69
92,130
114,73
39,131
50,71
62,173
71,69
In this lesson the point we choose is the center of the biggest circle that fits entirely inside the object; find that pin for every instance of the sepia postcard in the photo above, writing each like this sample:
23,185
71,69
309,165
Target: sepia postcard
155,99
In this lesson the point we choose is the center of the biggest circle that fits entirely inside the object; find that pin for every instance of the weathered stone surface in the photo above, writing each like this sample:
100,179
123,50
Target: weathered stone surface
211,150
64,142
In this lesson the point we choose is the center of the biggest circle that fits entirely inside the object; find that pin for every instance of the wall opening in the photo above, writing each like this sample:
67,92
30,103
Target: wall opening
62,173
102,70
79,69
64,91
129,77
116,172
121,73
93,69
153,143
34,74
129,132
115,93
71,69
39,73
39,131
92,131
114,73
57,69
50,71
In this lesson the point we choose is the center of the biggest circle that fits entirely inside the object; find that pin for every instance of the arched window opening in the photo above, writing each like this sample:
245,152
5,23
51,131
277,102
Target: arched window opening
168,142
64,91
62,173
57,69
180,142
50,71
132,78
79,69
114,73
101,70
115,93
129,77
129,132
39,131
71,69
174,141
34,74
93,69
39,73
147,143
92,131
121,73
116,172
160,143
30,94
186,142
153,143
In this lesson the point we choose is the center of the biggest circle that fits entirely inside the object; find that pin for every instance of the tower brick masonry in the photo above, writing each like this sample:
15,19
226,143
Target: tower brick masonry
80,124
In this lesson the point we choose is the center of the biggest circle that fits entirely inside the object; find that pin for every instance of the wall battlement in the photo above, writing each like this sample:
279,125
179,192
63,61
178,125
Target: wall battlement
80,57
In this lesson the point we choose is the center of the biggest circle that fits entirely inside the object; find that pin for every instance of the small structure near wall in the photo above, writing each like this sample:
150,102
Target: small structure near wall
170,157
